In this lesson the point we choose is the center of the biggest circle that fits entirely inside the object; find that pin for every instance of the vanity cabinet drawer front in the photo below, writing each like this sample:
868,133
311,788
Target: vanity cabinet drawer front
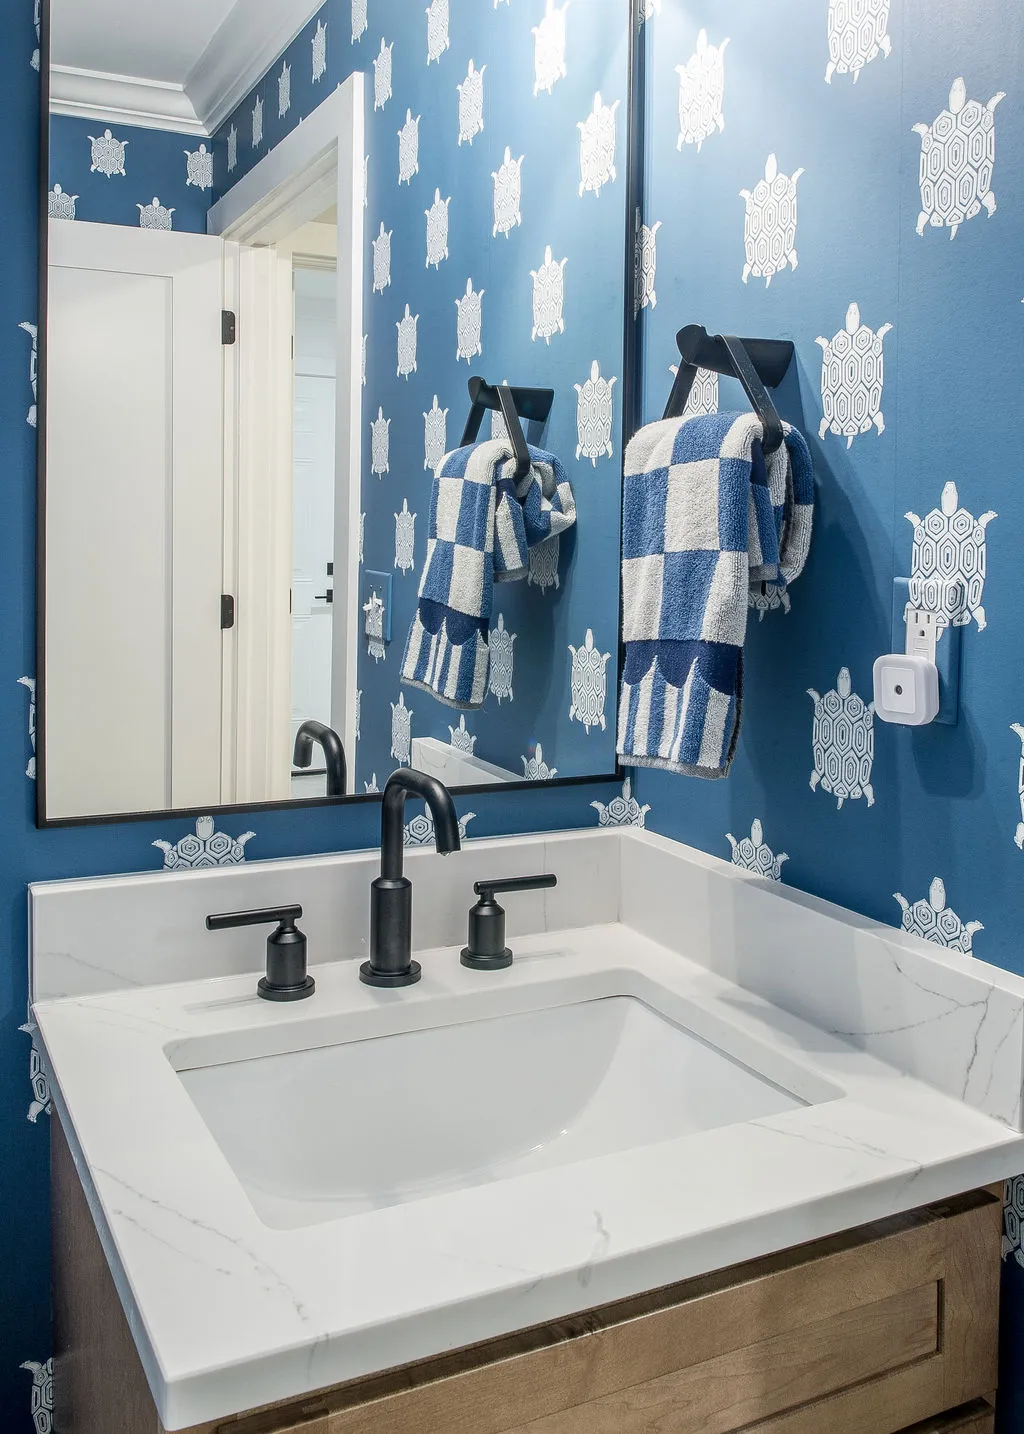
869,1332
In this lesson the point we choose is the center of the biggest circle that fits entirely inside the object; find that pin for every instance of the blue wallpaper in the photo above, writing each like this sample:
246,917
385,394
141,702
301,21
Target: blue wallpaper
541,66
112,179
946,800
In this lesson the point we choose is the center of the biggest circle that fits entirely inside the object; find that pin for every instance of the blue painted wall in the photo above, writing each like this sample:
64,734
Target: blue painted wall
155,166
27,854
586,230
947,800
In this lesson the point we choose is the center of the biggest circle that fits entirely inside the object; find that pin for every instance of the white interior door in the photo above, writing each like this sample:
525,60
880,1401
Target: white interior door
312,578
134,520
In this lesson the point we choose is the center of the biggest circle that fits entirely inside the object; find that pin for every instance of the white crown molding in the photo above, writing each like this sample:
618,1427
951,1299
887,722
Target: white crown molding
252,37
122,99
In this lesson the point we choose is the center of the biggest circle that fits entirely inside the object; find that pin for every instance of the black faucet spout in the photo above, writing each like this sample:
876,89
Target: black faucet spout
391,962
334,754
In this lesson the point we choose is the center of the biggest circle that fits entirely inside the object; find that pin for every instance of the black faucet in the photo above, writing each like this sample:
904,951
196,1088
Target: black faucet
334,754
391,962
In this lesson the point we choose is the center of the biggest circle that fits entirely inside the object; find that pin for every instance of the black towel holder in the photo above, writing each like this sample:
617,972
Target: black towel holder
759,364
514,404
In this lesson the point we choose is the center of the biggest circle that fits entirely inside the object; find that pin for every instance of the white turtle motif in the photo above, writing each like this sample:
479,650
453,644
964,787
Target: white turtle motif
548,297
371,788
401,731
420,831
950,548
844,742
471,104
589,682
1019,837
61,205
437,30
108,154
408,332
382,75
958,155
380,444
502,644
405,538
37,20
409,148
754,854
597,147
360,20
1013,1219
622,811
382,260
207,847
374,631
32,417
319,51
30,684
701,93
257,122
199,167
549,48
543,572
470,323
359,713
435,436
703,392
648,9
42,1101
437,230
461,738
852,377
595,416
362,535
42,1395
284,90
935,921
155,215
232,149
498,428
769,231
645,265
858,32
767,598
365,346
535,769
508,193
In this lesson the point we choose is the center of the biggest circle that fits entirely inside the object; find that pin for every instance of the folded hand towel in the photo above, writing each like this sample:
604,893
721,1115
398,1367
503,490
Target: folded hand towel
706,518
482,527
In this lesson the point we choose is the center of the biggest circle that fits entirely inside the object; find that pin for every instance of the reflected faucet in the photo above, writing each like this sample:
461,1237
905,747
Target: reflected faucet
391,962
334,754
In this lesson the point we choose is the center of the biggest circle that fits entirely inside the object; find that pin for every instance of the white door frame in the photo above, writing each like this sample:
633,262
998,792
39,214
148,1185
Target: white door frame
321,163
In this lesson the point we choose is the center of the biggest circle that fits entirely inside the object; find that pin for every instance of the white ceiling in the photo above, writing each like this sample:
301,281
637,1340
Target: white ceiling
147,39
179,64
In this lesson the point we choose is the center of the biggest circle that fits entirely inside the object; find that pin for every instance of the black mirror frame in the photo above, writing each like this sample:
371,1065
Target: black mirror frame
631,402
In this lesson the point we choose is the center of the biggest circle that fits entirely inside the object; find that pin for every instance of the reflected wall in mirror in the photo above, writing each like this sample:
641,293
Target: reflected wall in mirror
274,570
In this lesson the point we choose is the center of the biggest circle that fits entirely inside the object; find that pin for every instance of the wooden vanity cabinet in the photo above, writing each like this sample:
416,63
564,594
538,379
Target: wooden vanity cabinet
892,1327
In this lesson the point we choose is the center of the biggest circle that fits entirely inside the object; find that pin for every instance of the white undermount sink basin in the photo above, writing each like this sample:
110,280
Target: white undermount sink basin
316,1135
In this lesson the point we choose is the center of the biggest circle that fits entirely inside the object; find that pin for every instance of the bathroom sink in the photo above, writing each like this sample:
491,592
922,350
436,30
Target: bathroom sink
320,1134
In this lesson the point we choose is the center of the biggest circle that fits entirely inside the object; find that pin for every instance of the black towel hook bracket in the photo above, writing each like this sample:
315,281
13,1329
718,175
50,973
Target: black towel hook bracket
759,364
514,404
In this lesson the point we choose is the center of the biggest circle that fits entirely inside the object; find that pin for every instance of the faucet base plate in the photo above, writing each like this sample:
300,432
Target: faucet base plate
487,963
387,981
286,993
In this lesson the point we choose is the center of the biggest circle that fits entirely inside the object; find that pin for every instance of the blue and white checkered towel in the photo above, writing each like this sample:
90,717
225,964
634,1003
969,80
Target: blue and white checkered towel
706,520
482,527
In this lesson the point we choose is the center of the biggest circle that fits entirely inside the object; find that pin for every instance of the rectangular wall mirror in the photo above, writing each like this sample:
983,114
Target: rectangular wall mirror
283,238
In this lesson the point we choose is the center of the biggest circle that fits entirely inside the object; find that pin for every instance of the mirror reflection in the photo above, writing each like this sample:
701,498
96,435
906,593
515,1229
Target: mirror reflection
333,400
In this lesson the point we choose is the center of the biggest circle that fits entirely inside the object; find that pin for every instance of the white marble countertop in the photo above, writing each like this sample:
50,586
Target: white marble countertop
230,1314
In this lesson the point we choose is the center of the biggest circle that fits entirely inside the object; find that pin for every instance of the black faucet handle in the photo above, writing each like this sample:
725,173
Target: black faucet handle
487,950
287,978
286,915
505,884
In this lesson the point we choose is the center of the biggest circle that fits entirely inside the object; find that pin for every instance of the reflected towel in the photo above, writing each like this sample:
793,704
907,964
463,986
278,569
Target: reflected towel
482,527
707,521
